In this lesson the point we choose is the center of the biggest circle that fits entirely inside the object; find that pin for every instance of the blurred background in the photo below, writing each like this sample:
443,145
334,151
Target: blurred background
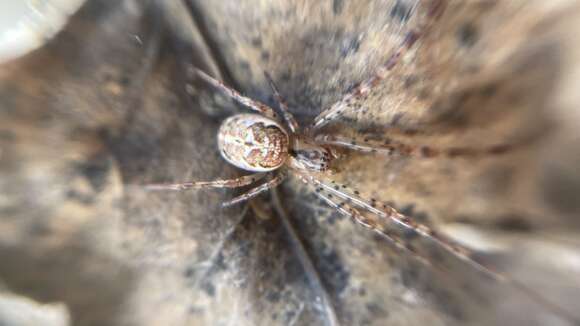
98,98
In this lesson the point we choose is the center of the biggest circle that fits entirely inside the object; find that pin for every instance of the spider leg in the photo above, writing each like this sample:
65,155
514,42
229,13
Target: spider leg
364,88
393,147
370,222
344,207
257,190
229,183
246,101
387,212
290,120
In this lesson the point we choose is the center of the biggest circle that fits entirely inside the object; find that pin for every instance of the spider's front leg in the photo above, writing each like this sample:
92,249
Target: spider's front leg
433,11
290,120
387,146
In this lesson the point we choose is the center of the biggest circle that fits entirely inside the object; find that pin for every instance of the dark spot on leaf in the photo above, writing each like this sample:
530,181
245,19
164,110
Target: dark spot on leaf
336,276
362,292
408,209
377,309
499,149
420,217
273,296
188,272
96,170
423,94
467,35
195,310
514,224
257,42
83,198
489,90
337,6
219,263
409,277
401,11
244,65
349,46
294,271
125,80
208,288
410,81
334,216
447,304
39,230
428,152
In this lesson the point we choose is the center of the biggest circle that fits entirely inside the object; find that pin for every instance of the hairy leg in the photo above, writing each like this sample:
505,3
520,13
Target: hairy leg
349,199
371,222
388,146
229,183
281,176
290,120
408,224
434,11
232,93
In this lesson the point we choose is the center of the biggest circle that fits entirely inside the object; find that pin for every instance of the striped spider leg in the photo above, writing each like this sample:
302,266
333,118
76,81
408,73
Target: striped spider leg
388,146
371,222
385,220
290,120
229,183
272,183
434,10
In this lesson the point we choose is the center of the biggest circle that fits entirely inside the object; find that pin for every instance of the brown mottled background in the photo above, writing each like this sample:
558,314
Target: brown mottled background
111,104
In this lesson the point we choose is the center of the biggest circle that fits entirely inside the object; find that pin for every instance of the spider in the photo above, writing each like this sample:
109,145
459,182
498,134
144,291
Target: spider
276,146
267,144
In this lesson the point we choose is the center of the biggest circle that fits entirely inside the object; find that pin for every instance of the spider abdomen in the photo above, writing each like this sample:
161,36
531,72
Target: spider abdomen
253,142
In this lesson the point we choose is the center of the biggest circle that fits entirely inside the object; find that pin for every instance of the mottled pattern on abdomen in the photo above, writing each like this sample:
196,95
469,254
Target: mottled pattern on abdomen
253,142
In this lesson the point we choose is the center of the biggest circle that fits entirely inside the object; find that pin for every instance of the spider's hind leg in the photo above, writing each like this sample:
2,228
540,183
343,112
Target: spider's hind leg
433,12
345,208
257,190
229,183
399,221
